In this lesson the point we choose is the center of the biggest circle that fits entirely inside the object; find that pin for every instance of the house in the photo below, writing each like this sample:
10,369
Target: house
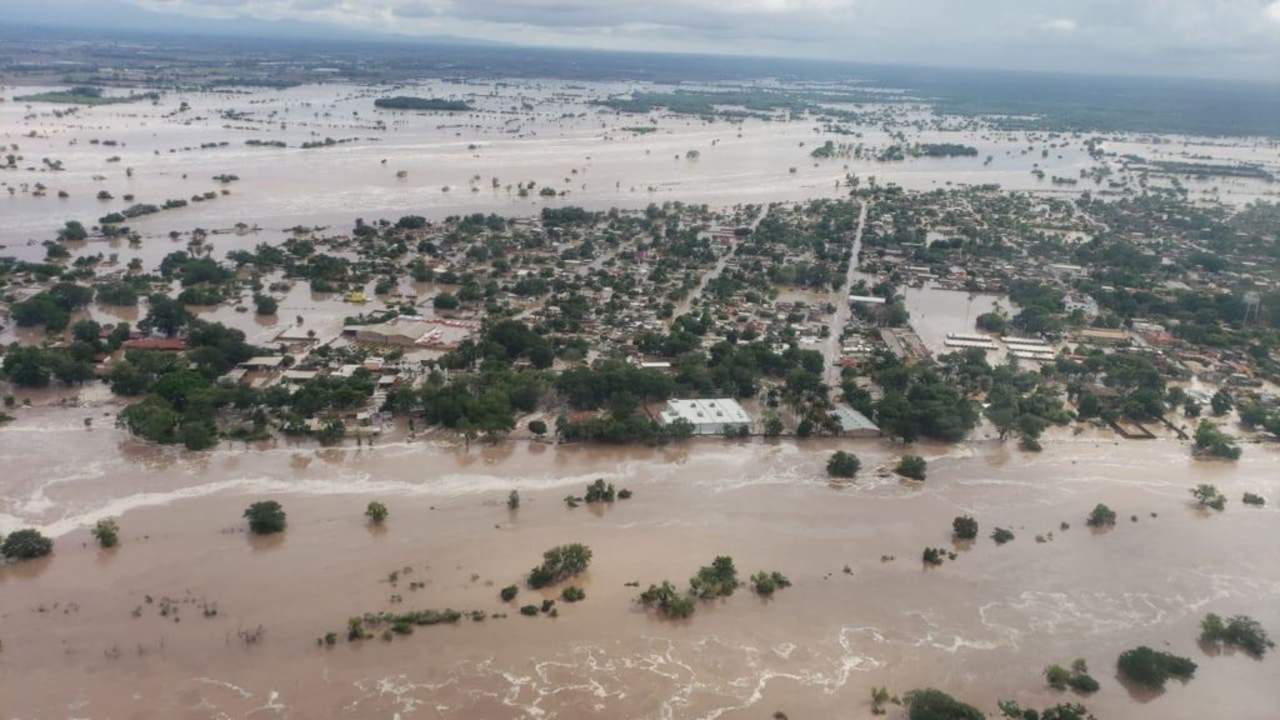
714,416
854,423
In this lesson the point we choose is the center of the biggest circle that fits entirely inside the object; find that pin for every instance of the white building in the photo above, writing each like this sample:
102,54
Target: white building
708,417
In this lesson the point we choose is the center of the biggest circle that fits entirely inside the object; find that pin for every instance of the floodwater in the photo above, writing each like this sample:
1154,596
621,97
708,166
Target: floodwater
439,164
937,312
981,626
80,638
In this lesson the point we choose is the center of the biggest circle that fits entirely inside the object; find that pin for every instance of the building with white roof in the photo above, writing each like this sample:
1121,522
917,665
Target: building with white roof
712,416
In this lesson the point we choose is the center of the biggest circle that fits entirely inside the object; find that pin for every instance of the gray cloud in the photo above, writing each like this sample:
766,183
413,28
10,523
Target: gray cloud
1219,38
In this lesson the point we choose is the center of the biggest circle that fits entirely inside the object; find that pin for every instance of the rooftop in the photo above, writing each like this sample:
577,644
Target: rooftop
712,410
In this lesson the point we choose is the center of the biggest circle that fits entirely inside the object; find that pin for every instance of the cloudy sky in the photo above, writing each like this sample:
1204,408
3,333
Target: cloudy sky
1210,38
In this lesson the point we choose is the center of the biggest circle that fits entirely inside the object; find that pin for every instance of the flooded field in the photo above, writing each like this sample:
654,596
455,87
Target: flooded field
124,632
390,163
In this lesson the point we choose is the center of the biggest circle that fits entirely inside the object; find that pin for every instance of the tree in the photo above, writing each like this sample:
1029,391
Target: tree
766,583
912,466
842,464
164,315
513,500
931,704
265,517
1209,496
964,527
719,579
1212,442
772,425
1001,535
509,593
1101,516
26,366
106,532
559,563
538,427
265,304
1221,402
1151,668
670,602
1241,631
1057,677
26,544
72,231
376,512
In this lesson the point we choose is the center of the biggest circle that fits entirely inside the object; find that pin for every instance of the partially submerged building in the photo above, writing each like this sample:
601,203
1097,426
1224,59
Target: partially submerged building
854,423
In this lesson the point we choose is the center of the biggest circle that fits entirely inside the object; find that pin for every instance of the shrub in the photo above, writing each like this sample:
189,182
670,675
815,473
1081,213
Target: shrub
766,583
529,610
843,464
930,704
265,517
1251,499
1102,516
513,500
26,544
572,594
1212,442
879,696
598,491
559,563
933,556
265,304
537,427
719,579
1057,677
1065,711
668,601
1209,496
964,527
1083,683
912,466
107,532
509,593
376,512
1241,631
1001,536
1151,668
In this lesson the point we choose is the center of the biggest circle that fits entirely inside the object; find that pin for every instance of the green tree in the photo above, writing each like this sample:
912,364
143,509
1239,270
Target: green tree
1152,668
106,532
265,517
912,466
26,544
1101,516
669,602
964,527
559,563
376,512
931,704
842,464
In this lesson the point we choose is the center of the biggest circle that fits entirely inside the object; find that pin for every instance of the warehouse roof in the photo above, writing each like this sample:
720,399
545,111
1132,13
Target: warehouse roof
713,410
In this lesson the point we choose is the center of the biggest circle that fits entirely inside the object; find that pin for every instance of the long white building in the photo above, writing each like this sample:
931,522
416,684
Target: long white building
709,417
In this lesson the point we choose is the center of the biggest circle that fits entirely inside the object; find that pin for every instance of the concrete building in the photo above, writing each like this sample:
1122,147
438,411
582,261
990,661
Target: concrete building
708,417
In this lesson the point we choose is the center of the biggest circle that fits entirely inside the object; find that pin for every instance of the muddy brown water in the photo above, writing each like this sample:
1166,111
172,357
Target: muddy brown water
981,627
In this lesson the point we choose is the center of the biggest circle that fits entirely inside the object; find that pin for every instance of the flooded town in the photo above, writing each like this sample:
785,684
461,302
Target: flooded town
374,381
